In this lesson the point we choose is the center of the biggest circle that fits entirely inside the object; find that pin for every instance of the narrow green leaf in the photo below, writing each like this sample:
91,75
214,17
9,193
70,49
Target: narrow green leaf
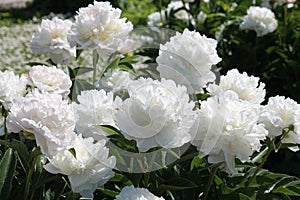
108,192
109,129
7,169
291,191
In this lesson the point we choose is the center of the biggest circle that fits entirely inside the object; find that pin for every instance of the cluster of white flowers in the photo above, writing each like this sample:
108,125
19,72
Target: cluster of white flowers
228,128
11,87
181,14
132,193
52,121
156,114
51,40
179,8
260,19
278,115
276,3
50,79
232,122
99,27
45,115
185,65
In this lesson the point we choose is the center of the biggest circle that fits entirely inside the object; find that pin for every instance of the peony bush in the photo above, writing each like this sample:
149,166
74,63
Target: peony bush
113,111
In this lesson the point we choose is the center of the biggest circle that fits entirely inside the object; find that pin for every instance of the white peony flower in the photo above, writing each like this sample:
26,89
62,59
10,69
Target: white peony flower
247,87
279,114
156,114
51,39
290,3
180,14
187,59
276,3
261,20
228,128
88,169
156,19
99,27
11,87
201,17
47,116
132,193
50,79
95,108
115,80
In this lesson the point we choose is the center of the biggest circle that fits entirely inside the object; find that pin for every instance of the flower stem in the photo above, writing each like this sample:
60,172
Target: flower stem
95,61
211,179
4,115
266,153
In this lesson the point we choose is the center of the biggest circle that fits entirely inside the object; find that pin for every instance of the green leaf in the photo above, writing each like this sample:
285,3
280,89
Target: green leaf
113,64
81,70
7,169
178,183
197,162
243,197
80,85
109,129
73,152
72,196
108,192
129,59
291,191
120,178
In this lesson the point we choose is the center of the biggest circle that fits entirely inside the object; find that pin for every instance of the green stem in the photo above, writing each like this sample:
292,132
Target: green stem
268,152
95,61
28,179
147,177
211,179
4,115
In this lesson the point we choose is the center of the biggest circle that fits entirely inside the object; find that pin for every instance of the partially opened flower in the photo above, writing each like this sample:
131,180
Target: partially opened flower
50,118
51,39
99,27
261,20
280,114
88,166
156,114
11,87
95,108
187,59
132,193
247,87
228,128
50,79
